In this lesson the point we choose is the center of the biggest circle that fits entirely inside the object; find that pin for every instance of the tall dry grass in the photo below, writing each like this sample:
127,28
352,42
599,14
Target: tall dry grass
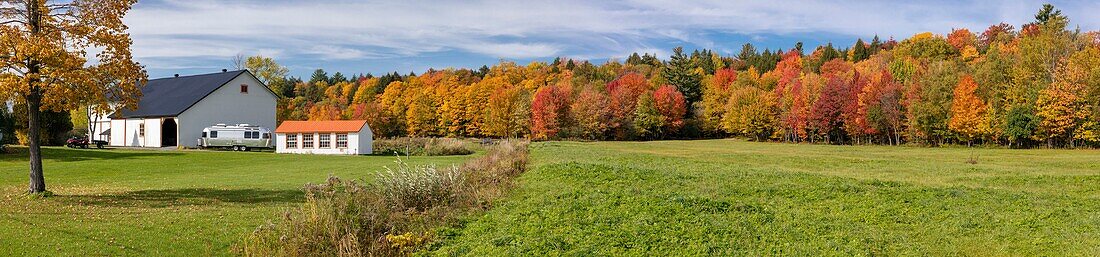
394,215
422,146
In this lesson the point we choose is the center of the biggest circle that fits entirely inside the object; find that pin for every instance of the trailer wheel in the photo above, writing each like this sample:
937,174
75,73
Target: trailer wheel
244,149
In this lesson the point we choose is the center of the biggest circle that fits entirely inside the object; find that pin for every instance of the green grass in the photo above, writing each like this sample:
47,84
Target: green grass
729,197
712,197
159,203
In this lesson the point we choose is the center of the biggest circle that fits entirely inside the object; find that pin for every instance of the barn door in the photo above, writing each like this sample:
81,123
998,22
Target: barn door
168,132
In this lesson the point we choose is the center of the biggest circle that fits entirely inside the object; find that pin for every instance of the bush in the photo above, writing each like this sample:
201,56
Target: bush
422,146
395,215
419,187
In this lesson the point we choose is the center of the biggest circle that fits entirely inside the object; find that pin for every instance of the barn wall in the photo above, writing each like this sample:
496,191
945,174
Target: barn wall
118,132
152,132
366,140
228,105
100,126
133,133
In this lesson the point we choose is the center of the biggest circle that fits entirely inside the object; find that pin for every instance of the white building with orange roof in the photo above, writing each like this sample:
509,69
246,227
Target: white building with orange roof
349,137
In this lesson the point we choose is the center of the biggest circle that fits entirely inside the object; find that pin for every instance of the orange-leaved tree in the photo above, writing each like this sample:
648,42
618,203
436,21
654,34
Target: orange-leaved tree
46,63
967,111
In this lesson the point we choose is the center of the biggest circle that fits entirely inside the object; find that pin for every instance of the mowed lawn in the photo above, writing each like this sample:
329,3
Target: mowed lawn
160,203
730,197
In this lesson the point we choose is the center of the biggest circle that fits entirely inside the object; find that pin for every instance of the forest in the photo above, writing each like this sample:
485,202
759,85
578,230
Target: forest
1036,86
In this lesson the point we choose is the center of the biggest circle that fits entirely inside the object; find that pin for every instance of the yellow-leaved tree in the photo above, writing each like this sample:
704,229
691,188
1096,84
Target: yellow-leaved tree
967,111
65,55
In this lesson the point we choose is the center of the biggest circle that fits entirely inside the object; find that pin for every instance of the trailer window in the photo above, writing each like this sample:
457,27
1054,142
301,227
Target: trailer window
341,140
307,140
204,134
214,134
324,141
267,135
291,140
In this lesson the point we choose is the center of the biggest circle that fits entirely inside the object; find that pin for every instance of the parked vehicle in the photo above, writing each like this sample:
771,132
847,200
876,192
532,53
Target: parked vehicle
82,142
240,137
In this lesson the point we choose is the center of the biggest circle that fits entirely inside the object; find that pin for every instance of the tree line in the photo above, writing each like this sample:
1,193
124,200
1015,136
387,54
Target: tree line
1036,86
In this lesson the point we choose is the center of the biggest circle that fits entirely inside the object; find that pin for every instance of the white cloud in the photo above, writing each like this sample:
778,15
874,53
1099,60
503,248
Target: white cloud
514,50
343,30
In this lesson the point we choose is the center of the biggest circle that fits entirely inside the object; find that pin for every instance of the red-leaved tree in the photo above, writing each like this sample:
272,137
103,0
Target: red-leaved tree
549,112
670,103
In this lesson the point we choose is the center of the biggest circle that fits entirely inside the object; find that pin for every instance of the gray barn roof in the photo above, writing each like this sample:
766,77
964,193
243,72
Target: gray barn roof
168,97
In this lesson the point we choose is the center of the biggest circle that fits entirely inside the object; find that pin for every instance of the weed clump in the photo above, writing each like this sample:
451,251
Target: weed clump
396,214
421,146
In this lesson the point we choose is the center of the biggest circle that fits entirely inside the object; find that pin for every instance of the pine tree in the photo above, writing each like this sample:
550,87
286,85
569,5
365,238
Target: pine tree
681,73
319,75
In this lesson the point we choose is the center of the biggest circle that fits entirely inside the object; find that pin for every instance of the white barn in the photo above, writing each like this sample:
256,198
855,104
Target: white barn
349,137
173,111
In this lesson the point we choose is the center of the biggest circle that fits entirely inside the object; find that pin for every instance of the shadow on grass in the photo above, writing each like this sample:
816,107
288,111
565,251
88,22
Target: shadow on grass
19,153
186,197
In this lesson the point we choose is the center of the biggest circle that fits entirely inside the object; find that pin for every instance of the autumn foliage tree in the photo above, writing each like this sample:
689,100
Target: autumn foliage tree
549,112
968,119
46,65
624,93
672,107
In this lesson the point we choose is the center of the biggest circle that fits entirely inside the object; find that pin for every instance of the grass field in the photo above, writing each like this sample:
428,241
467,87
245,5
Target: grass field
726,197
711,197
159,203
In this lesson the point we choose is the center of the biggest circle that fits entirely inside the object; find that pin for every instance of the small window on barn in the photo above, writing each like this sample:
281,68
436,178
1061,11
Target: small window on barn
214,134
307,140
141,130
244,89
341,140
291,140
324,141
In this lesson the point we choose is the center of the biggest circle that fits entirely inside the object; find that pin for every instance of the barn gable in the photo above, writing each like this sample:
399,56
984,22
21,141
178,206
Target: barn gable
168,97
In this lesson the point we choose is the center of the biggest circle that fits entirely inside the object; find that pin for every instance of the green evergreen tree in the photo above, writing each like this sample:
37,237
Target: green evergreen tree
318,76
7,126
681,73
337,78
634,59
859,52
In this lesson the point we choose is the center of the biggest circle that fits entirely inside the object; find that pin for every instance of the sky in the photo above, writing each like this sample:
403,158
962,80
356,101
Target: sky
353,37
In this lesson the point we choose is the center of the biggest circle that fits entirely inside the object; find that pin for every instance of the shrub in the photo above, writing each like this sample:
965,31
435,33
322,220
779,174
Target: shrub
422,146
395,215
419,187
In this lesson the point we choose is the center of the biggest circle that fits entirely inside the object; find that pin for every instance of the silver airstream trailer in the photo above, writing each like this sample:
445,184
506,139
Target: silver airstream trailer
241,137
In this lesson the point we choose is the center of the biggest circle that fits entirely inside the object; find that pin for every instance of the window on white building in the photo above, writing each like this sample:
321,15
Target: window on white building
307,140
291,140
341,140
324,141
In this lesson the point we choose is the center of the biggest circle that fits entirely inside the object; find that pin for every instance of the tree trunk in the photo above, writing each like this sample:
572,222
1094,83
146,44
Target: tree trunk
38,181
34,103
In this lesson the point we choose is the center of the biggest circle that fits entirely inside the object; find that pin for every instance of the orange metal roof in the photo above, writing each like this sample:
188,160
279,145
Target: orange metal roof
294,126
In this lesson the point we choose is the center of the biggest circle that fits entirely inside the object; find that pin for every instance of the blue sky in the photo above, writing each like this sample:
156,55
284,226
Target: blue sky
200,36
